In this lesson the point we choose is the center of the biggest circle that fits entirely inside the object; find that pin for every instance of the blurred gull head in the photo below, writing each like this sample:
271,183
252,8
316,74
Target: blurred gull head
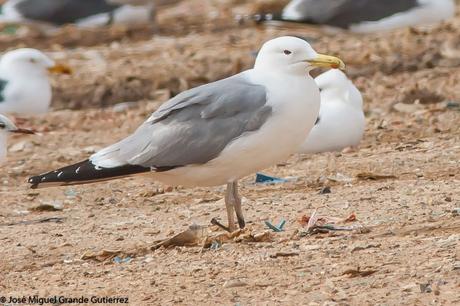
29,61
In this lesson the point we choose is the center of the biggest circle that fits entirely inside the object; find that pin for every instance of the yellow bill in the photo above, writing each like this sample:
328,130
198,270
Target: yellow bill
327,61
60,68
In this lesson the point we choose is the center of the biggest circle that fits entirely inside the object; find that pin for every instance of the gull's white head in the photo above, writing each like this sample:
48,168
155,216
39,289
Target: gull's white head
29,61
293,55
333,81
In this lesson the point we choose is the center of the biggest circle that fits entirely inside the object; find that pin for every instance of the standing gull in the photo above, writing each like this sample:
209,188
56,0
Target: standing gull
85,13
365,15
220,132
24,85
8,127
341,121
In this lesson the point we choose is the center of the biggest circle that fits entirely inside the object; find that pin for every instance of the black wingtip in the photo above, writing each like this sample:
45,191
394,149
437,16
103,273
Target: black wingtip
34,181
40,181
84,172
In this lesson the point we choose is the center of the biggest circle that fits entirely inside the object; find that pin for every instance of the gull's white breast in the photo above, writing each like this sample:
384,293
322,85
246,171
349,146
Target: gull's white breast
341,125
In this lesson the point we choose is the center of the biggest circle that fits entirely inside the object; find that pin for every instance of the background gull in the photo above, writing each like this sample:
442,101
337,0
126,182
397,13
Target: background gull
220,132
89,13
366,15
8,127
341,121
24,85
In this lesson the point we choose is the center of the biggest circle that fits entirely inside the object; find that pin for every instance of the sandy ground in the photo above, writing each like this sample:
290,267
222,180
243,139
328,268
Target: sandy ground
403,184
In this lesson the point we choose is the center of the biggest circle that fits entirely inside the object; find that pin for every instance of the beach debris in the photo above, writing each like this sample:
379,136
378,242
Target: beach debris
267,179
276,228
325,190
197,235
102,255
284,254
118,259
42,220
357,272
366,176
47,207
192,236
316,223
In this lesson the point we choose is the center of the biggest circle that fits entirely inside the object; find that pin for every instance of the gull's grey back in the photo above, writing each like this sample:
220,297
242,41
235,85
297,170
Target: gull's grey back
193,127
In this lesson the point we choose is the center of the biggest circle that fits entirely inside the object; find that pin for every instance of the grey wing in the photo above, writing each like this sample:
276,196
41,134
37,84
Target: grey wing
344,13
193,127
62,11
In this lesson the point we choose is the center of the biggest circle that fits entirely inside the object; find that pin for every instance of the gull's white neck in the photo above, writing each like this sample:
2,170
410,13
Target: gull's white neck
281,82
333,96
275,71
295,103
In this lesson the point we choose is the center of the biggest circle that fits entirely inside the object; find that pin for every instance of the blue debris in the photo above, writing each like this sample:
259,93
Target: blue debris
215,245
118,259
266,179
71,193
10,29
281,224
453,104
276,228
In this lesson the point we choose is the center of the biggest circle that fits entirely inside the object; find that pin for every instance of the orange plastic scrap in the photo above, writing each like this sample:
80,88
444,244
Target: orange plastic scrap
303,220
351,218
321,220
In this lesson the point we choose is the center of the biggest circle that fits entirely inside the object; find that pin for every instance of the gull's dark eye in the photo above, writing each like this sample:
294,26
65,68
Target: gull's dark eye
2,125
287,52
32,60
